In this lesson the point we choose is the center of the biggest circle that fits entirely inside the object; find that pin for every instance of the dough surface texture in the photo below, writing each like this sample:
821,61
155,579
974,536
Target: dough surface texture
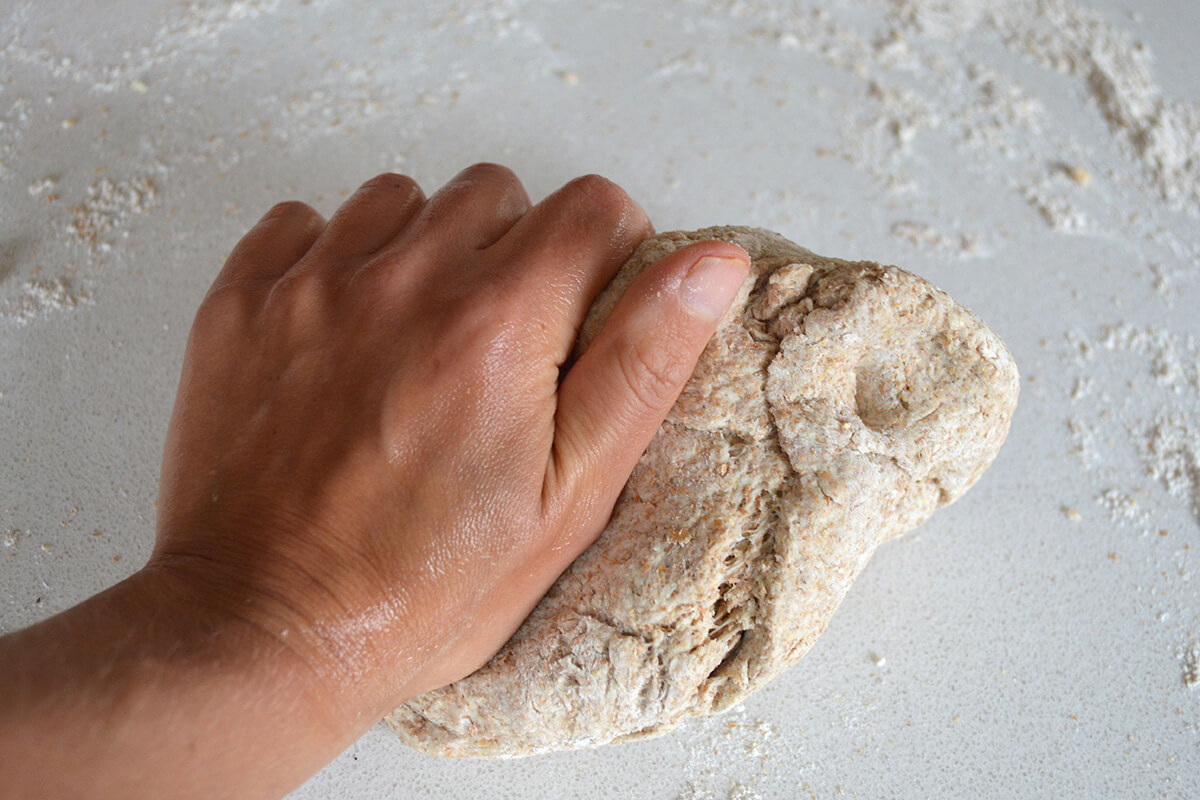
836,407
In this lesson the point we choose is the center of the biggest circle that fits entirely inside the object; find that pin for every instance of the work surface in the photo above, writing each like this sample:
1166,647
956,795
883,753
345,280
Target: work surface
1038,160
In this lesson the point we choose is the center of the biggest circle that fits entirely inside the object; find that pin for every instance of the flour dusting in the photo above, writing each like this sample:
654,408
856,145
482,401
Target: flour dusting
107,208
1172,456
40,297
976,137
1156,419
728,757
1162,134
1191,664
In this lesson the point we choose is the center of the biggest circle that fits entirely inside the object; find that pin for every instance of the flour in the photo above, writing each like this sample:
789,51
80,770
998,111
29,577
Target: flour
1174,360
40,297
1083,437
926,236
14,121
1191,664
107,208
209,20
1163,134
44,186
1158,421
1123,507
1083,387
927,81
1057,210
1172,457
728,757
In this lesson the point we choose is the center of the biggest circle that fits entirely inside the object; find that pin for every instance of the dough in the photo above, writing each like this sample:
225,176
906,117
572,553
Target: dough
836,407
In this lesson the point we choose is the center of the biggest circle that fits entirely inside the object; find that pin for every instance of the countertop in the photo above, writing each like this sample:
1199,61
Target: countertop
1037,159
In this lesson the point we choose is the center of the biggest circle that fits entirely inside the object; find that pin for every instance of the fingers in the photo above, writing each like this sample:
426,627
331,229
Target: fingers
374,215
569,247
619,391
279,240
469,213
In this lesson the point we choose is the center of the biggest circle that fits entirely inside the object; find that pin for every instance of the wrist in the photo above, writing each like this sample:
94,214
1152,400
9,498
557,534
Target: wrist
168,696
232,634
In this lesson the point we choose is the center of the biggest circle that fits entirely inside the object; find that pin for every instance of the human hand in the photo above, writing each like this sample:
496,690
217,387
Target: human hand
379,454
379,460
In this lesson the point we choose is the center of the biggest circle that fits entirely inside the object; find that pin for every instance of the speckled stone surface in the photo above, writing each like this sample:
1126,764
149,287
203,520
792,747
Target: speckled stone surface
1036,633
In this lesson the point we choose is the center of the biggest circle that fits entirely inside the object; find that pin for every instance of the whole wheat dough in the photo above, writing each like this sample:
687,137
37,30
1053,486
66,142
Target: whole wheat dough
836,407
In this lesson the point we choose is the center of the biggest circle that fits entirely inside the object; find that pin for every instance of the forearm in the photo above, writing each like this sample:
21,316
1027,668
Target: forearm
142,692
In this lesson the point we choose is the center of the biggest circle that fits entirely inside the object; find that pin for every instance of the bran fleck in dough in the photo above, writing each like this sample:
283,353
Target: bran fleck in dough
837,405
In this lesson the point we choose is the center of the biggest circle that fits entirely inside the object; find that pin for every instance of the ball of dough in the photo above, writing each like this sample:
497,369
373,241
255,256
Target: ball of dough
837,405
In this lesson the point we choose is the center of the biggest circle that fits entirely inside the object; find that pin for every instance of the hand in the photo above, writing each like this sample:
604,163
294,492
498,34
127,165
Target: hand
380,457
374,455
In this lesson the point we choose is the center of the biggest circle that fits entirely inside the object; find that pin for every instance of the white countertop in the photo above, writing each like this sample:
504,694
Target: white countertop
1032,640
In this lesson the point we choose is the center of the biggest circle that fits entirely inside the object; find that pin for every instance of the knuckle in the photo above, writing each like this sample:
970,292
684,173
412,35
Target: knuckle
487,171
653,374
597,202
228,305
377,279
598,187
392,180
482,314
300,293
600,193
290,209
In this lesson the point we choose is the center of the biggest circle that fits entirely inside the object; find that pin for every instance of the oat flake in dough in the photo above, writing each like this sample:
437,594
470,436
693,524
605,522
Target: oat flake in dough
836,407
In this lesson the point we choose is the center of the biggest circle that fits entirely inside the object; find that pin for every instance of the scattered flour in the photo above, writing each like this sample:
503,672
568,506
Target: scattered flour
1122,507
728,756
1157,419
1059,212
40,297
1162,134
41,187
1083,437
1172,457
1174,360
211,19
927,82
192,22
1084,386
14,121
1191,664
108,206
926,236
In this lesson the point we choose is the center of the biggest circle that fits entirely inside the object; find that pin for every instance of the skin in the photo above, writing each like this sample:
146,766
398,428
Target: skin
381,456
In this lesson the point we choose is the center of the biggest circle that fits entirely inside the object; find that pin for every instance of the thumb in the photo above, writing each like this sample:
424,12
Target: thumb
618,392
